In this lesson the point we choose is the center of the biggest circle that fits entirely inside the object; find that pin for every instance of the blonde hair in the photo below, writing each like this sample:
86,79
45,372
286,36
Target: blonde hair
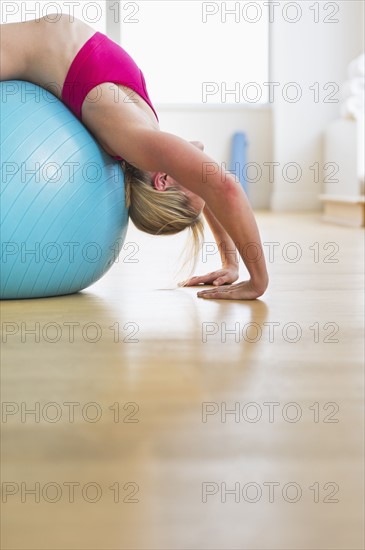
162,213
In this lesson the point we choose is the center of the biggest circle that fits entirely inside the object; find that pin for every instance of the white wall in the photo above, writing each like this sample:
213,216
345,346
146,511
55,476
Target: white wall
306,52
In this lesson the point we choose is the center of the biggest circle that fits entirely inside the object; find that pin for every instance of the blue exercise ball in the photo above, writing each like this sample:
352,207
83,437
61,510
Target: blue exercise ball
63,214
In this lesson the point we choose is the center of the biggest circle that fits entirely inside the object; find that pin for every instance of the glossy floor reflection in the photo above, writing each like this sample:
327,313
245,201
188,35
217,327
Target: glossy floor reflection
137,416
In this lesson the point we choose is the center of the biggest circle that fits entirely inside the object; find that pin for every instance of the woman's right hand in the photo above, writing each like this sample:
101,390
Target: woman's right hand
224,276
246,290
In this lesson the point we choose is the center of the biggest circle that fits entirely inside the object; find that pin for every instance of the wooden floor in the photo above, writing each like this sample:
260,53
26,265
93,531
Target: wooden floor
132,445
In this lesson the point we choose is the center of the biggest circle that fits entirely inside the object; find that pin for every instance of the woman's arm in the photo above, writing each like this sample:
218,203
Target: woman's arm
228,253
226,200
226,247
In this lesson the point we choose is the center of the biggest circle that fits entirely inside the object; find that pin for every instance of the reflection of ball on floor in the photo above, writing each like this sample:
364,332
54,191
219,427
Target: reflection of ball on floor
63,214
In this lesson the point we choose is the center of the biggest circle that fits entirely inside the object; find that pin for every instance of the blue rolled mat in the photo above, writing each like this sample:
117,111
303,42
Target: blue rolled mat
239,158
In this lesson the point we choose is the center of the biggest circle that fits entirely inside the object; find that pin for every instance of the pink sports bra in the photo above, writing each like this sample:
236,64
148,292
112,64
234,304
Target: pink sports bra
101,60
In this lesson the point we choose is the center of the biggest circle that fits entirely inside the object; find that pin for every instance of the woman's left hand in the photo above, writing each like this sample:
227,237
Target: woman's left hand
240,291
223,276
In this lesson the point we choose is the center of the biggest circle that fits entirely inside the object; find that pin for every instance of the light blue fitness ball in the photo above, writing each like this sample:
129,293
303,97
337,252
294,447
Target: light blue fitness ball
63,214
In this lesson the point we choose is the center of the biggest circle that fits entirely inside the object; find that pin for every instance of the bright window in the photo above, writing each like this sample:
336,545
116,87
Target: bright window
199,52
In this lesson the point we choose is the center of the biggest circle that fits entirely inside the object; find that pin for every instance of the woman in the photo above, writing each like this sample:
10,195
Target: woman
169,182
